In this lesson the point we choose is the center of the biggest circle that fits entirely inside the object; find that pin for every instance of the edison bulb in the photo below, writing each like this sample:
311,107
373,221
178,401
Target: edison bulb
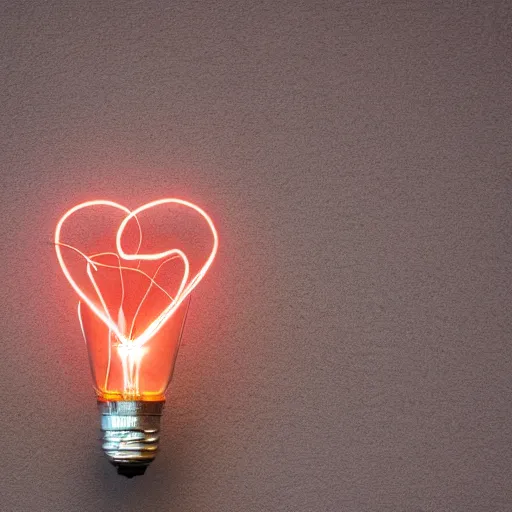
133,302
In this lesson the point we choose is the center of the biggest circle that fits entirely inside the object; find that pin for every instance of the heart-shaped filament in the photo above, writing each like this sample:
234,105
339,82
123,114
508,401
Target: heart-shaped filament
132,347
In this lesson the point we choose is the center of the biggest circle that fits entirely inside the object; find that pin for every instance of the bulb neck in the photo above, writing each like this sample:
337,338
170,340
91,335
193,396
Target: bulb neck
131,431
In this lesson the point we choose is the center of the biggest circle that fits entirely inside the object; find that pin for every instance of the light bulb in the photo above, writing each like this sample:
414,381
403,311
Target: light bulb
133,301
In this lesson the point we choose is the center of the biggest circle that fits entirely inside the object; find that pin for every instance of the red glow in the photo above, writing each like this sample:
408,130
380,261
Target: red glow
130,349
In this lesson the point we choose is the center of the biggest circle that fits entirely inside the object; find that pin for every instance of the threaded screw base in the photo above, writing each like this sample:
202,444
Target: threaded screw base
131,432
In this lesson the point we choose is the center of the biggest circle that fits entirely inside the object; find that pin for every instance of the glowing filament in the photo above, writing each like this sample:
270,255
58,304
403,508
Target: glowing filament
131,350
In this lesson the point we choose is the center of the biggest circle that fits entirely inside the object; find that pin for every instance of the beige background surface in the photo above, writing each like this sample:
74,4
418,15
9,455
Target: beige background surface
350,350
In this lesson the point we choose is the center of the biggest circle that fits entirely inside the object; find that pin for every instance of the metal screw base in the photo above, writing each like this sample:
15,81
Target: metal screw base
130,434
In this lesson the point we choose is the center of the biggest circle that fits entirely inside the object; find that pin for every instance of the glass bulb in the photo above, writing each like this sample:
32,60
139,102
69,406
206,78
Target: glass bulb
132,311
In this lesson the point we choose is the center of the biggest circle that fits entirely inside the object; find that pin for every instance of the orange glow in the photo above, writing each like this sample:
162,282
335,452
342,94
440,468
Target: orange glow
131,350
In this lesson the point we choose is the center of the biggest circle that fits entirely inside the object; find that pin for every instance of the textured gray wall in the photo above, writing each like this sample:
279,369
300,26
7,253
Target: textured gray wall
350,350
